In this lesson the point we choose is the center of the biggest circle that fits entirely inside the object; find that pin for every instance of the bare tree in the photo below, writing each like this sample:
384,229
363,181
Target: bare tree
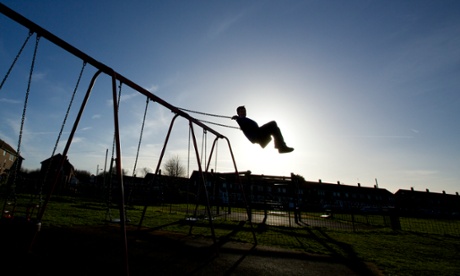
173,167
143,171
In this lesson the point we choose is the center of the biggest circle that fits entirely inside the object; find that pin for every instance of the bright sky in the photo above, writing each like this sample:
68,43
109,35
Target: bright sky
364,91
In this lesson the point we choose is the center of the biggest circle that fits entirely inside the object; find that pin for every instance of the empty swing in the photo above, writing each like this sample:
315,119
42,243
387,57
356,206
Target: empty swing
108,214
9,207
50,164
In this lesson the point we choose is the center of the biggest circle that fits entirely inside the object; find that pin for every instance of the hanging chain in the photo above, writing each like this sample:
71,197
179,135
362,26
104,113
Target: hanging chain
60,133
27,95
118,105
217,124
206,114
68,108
204,142
188,155
217,151
15,59
18,151
108,214
209,114
140,138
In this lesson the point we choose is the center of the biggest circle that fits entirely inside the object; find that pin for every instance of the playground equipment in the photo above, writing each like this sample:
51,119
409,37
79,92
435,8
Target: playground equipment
115,77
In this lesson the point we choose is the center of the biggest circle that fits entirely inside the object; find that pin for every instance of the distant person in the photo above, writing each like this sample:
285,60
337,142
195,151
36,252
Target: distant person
260,135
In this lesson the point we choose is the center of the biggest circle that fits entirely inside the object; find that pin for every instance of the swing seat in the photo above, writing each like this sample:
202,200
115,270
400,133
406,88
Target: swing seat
118,220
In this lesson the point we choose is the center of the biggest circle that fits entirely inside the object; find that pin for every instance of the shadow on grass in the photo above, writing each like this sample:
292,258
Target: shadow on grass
218,246
348,257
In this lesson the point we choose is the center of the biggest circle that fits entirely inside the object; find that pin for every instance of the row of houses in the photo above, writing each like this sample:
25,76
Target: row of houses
10,160
277,192
291,193
295,192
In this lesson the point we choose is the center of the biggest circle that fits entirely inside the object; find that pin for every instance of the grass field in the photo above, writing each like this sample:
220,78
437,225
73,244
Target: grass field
393,252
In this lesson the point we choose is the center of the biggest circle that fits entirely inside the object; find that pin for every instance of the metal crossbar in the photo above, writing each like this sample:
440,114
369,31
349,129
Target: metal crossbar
99,65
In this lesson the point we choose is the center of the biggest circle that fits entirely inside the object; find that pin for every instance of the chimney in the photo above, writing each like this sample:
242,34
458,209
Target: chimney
338,182
359,184
427,190
319,180
443,192
412,189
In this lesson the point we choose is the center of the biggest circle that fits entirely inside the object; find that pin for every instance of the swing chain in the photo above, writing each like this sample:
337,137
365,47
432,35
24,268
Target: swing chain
27,95
12,193
68,108
217,124
15,59
140,138
209,114
60,132
206,114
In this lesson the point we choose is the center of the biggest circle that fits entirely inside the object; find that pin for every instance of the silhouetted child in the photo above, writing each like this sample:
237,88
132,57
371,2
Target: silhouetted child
260,135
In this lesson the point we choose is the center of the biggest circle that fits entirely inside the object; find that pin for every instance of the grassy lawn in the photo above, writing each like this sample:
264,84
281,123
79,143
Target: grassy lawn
395,253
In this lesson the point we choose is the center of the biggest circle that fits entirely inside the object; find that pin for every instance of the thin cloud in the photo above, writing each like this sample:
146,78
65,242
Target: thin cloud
421,172
152,88
123,98
9,101
425,55
77,140
383,136
127,97
38,76
223,26
40,132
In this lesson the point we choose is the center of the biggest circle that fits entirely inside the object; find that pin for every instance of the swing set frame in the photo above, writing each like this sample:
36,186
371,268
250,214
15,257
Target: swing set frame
115,76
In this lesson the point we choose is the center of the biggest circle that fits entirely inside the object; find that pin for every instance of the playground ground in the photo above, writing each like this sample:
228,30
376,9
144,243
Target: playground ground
99,251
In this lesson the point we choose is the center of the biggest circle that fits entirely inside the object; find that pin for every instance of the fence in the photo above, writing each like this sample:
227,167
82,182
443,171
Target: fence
278,214
355,222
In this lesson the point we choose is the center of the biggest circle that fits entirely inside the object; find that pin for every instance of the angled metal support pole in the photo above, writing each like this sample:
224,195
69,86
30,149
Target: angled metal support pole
165,144
203,180
120,175
211,152
157,170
